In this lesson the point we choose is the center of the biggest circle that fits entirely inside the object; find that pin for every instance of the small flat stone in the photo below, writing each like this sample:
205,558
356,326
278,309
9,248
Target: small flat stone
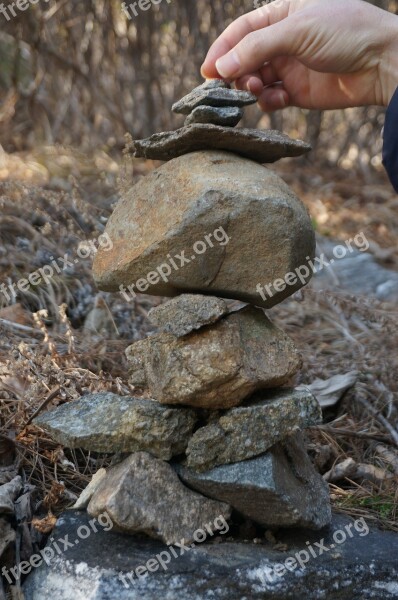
187,312
144,495
263,146
213,94
218,366
106,422
250,430
278,489
227,116
83,500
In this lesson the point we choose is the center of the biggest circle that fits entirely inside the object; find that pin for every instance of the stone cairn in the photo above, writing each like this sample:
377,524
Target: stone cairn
213,427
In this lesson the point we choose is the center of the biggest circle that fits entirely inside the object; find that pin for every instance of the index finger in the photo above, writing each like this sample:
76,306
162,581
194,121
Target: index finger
253,21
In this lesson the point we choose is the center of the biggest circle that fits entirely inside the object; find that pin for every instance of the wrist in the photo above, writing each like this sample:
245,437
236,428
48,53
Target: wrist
389,63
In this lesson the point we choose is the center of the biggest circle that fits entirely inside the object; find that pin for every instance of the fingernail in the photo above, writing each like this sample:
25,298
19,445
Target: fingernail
282,99
228,65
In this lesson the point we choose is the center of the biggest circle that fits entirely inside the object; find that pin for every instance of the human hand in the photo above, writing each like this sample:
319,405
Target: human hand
313,54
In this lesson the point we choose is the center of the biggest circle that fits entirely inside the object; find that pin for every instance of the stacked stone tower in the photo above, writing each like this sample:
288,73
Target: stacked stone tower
215,425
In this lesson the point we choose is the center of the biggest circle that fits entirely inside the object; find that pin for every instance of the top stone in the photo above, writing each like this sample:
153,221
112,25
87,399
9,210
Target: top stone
213,93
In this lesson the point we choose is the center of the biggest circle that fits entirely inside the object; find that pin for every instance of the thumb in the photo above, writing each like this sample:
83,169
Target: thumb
256,48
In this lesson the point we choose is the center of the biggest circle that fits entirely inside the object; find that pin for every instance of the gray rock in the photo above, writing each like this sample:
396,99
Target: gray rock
254,228
187,312
278,489
213,94
9,492
218,366
105,422
227,116
263,146
104,566
250,430
83,500
357,273
143,494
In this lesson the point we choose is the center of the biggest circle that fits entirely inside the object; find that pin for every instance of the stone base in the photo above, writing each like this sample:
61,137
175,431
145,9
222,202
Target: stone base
362,568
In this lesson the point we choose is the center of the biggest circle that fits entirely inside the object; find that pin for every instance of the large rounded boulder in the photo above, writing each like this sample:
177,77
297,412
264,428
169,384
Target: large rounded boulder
208,222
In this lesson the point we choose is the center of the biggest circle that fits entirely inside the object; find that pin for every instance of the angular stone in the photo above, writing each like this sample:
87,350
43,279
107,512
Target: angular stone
278,489
218,366
263,146
9,492
213,94
254,228
250,430
83,500
105,422
187,312
110,565
227,116
144,495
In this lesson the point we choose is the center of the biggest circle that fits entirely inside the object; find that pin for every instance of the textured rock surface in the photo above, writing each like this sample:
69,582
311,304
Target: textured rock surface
205,194
219,366
105,422
83,500
103,567
143,494
213,93
9,492
227,116
187,312
250,430
263,146
278,489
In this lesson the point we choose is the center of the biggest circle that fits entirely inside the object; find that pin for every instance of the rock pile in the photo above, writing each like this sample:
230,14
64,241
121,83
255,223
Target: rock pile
215,425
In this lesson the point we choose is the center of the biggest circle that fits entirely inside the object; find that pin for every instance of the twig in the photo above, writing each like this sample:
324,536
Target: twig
373,411
46,401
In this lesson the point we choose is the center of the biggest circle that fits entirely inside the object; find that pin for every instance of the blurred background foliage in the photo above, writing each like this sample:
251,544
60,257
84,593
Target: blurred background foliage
84,74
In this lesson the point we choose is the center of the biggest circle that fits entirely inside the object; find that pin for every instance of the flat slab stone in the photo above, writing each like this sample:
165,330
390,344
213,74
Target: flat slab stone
103,567
280,488
187,313
213,93
249,430
218,366
106,422
225,226
143,494
227,116
263,146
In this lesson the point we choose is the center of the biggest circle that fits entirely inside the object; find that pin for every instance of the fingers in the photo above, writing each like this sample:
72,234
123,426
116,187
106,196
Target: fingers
273,98
258,47
239,29
255,82
252,83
